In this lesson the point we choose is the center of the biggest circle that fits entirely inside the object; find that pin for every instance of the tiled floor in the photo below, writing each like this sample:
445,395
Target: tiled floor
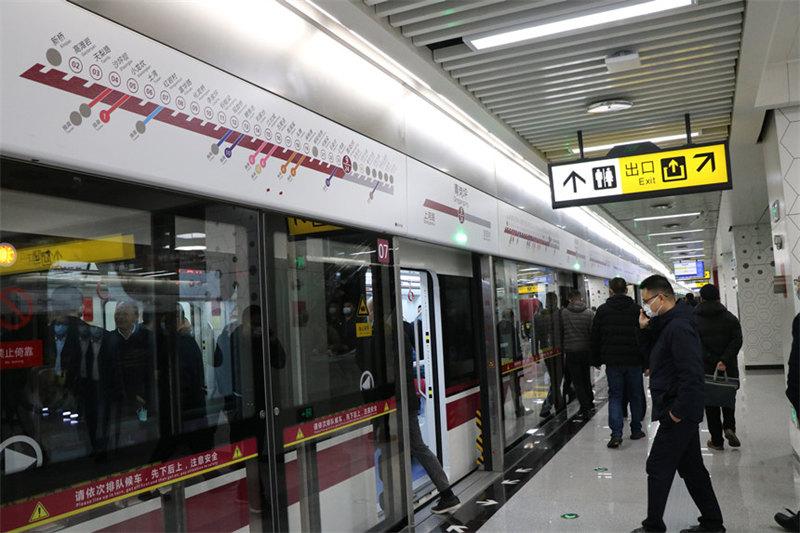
607,489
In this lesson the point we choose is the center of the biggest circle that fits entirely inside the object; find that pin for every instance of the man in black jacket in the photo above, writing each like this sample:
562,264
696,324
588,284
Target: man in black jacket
676,386
721,337
613,343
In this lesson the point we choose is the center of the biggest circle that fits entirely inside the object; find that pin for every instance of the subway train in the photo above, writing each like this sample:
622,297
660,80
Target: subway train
217,301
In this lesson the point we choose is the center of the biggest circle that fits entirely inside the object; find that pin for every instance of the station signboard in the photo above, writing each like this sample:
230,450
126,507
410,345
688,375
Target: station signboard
693,168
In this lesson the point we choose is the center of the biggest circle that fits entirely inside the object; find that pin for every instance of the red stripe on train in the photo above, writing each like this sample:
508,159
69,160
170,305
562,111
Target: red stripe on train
462,410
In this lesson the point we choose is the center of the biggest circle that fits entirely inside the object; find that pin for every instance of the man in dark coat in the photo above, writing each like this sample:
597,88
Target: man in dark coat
669,334
614,344
791,521
721,337
576,322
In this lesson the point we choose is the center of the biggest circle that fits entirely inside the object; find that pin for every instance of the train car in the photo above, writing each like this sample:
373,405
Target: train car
221,304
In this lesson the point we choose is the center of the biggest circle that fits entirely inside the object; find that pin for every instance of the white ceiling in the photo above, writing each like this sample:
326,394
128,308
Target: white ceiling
706,60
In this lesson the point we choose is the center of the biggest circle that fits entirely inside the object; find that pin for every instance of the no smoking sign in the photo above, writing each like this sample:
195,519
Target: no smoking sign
16,308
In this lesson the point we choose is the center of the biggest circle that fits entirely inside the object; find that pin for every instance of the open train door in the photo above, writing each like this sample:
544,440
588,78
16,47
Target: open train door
418,290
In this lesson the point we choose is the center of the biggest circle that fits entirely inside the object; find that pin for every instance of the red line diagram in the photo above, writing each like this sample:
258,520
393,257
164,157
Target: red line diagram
133,104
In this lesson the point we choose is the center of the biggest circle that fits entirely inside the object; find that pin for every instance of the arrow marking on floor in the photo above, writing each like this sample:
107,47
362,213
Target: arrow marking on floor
486,503
523,470
510,482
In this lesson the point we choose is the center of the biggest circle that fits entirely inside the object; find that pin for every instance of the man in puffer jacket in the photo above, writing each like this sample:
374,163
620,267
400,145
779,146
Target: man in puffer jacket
721,337
576,326
614,344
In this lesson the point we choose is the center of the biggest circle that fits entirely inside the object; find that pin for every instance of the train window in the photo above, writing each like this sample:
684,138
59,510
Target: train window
460,348
131,343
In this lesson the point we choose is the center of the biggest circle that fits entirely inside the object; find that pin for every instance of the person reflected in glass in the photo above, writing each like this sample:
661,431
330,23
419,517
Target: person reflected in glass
510,350
130,351
335,325
548,342
58,378
92,387
348,327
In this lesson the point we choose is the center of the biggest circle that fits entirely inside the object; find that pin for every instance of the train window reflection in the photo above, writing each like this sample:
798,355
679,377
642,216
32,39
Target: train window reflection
139,328
336,317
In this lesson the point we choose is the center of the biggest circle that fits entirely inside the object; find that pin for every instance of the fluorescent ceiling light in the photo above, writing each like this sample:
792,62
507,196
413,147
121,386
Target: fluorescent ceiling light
689,256
675,233
678,243
608,106
492,39
683,251
662,217
654,140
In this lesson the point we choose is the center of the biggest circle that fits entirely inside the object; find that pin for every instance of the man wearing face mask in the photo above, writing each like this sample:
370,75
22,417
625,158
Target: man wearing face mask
668,332
63,353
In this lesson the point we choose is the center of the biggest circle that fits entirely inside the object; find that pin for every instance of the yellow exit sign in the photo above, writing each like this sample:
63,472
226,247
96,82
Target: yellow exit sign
693,168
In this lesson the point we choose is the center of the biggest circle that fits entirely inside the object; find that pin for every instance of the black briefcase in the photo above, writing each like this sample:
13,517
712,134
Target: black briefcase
720,391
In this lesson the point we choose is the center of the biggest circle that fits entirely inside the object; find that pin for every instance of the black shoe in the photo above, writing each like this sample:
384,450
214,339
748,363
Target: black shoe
636,435
614,442
545,413
713,446
733,440
446,505
790,522
699,528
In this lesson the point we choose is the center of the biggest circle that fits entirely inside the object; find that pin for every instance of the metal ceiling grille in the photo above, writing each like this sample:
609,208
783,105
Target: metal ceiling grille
541,88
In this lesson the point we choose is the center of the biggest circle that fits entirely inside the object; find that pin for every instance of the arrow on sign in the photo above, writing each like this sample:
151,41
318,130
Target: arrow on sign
709,156
510,482
523,470
486,503
458,529
574,177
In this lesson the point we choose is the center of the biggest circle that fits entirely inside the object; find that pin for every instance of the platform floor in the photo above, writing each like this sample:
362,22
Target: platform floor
606,489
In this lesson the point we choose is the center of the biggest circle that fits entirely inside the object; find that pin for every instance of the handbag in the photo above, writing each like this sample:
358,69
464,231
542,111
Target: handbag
720,391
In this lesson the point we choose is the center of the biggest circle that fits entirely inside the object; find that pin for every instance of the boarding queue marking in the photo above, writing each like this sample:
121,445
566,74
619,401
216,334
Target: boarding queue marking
693,168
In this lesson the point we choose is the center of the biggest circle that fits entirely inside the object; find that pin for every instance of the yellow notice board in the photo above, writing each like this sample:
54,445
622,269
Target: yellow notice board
674,169
301,226
99,250
528,289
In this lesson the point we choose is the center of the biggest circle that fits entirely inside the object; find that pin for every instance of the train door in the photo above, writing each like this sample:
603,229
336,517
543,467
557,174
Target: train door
451,389
418,290
336,416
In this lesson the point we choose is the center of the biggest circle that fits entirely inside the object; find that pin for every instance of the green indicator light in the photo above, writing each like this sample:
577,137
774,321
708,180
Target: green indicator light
576,266
460,237
601,469
569,516
300,262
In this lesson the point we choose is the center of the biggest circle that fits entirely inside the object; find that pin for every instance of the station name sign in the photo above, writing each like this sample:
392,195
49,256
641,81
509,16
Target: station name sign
693,168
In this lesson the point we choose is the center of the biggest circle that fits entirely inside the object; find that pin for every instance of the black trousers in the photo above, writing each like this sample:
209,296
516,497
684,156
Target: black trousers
676,447
715,427
579,368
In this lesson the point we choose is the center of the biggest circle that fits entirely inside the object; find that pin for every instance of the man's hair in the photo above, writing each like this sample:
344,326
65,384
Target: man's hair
658,284
66,299
575,295
618,285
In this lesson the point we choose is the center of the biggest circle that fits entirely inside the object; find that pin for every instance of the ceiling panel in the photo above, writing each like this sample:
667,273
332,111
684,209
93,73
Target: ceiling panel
541,87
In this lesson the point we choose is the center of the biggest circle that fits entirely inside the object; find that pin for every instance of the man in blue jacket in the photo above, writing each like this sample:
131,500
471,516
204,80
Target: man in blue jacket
668,332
